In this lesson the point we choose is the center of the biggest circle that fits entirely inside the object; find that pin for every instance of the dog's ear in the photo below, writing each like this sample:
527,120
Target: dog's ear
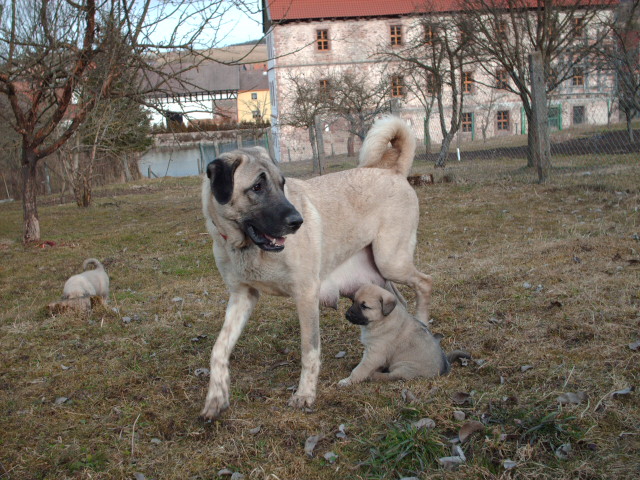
388,301
220,173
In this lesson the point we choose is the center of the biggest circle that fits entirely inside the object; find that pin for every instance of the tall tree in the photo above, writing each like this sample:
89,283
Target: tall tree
48,49
306,103
436,54
621,56
565,32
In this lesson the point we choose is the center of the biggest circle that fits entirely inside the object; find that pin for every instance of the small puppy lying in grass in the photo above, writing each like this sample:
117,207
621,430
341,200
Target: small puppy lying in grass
397,345
83,291
88,283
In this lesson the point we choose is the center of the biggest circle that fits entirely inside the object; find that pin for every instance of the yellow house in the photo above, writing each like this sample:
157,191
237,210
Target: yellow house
254,101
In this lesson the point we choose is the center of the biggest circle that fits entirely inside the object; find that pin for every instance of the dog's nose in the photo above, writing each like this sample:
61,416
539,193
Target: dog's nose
293,221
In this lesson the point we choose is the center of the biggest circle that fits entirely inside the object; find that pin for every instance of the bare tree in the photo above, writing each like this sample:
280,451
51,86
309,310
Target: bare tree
48,49
436,56
358,98
307,102
621,56
565,32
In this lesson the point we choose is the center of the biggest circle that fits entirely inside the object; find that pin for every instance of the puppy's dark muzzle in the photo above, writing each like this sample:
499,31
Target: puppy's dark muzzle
356,317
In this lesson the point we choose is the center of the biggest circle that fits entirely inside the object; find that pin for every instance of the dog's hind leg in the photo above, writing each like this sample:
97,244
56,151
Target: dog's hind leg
396,264
309,315
241,303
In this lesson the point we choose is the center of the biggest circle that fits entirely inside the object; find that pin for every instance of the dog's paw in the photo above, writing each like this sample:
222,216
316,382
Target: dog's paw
217,400
345,382
302,401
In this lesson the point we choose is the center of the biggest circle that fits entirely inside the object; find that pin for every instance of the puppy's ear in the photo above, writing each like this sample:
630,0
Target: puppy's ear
220,173
388,301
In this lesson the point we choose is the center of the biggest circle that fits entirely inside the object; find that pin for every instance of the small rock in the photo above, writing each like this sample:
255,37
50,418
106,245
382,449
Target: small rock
424,423
341,433
139,476
201,372
156,441
64,367
625,391
330,457
509,464
408,396
60,400
310,444
539,288
571,398
126,320
524,368
255,431
460,398
177,299
341,354
635,346
225,472
563,451
459,415
526,285
237,476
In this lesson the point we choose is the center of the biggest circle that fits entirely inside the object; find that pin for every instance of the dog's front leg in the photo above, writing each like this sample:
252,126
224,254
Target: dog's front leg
363,371
309,315
241,303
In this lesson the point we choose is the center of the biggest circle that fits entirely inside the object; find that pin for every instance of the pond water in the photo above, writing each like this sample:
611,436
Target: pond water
186,160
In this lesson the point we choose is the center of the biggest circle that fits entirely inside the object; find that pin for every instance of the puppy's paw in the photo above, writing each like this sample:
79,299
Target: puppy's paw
345,382
302,401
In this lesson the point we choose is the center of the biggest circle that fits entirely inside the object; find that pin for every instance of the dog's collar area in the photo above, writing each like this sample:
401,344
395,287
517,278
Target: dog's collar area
222,235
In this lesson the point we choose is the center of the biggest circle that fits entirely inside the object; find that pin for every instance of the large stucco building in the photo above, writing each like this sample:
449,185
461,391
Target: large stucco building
308,37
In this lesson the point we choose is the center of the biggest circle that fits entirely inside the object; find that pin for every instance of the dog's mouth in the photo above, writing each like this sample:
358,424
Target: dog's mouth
265,241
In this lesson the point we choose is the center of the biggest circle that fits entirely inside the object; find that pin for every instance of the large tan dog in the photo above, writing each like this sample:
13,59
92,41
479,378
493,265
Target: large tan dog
359,227
397,345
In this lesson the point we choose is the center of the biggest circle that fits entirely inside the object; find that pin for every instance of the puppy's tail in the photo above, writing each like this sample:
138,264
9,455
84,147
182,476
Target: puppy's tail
93,261
376,152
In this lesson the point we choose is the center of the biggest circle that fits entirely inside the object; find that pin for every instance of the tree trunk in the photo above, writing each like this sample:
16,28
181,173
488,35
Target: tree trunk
629,117
320,143
539,125
351,151
444,150
314,150
29,193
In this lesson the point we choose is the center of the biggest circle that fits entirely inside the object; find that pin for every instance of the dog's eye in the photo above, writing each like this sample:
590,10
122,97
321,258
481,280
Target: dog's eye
363,306
257,187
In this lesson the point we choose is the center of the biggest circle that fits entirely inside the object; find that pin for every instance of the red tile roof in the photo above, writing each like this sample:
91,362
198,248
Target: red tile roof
283,10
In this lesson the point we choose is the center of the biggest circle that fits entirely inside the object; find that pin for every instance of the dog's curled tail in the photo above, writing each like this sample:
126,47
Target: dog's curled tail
376,152
93,261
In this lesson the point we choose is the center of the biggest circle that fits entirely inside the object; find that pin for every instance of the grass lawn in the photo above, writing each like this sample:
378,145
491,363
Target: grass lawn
540,283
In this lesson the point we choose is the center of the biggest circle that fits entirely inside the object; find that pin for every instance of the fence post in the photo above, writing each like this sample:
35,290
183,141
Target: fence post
541,148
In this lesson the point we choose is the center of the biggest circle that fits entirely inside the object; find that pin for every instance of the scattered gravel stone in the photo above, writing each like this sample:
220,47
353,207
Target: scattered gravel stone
459,415
524,368
509,464
237,476
408,396
225,472
330,457
341,433
126,320
177,299
635,346
256,430
563,451
571,398
341,354
424,423
60,400
156,441
526,285
201,372
310,444
139,476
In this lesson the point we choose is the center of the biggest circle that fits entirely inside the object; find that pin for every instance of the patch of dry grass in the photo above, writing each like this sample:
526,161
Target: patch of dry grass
489,239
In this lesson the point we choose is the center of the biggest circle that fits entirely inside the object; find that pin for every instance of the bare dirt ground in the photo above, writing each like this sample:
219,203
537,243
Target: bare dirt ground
540,283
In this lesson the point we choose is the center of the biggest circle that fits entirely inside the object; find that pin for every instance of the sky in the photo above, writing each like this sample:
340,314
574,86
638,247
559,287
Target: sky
243,26
241,21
